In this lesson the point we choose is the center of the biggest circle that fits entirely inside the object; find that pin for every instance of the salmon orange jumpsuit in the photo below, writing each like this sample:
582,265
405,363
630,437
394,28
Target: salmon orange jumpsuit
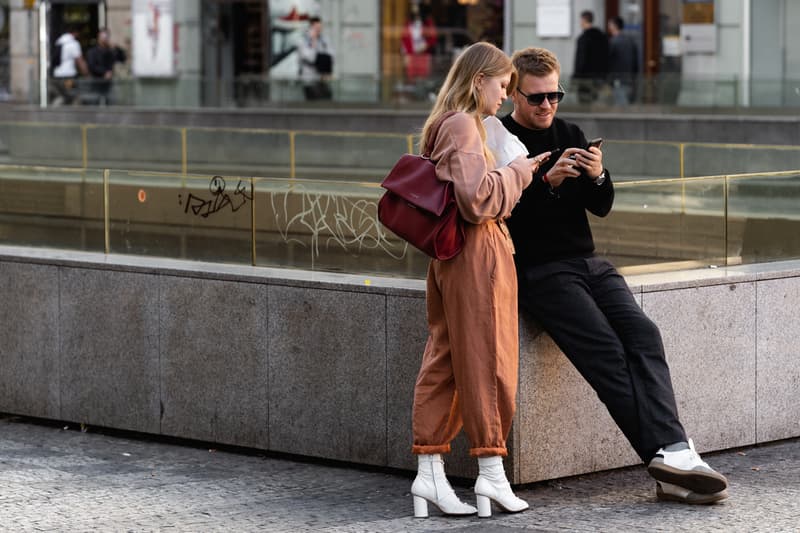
468,375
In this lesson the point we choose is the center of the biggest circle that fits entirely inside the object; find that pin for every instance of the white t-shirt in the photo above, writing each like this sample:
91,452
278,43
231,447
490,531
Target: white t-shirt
70,51
505,146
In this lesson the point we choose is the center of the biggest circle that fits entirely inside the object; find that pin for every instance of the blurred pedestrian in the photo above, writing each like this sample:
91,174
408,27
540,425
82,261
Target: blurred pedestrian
67,64
316,62
591,60
623,63
100,60
418,42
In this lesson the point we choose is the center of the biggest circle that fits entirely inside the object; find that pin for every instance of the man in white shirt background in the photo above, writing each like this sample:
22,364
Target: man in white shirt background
67,64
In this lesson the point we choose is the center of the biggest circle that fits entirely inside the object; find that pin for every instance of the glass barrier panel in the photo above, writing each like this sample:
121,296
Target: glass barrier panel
238,151
763,218
52,207
135,147
775,93
201,218
641,160
722,159
332,226
664,225
356,89
707,92
34,143
347,156
329,226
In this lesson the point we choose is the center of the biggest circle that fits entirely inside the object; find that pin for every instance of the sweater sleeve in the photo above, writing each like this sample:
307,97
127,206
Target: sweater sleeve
598,199
482,194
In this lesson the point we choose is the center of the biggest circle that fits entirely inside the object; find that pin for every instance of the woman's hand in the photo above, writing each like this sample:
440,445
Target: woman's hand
537,160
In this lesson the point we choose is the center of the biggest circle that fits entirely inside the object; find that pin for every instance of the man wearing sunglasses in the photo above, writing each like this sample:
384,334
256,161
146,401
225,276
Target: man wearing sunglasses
581,300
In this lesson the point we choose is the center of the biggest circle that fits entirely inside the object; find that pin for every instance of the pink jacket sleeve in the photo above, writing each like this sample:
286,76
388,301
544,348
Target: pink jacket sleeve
482,194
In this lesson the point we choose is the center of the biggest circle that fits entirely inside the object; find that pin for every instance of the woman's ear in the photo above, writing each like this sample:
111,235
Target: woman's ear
478,80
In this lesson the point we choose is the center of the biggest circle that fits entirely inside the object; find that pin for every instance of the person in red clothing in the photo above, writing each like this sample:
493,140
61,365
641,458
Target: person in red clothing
418,43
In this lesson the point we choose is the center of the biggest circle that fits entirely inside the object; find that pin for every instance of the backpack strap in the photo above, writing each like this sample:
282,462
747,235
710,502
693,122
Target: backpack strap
435,131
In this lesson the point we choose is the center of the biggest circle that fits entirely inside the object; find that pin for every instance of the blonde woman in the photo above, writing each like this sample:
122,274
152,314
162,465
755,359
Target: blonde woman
468,376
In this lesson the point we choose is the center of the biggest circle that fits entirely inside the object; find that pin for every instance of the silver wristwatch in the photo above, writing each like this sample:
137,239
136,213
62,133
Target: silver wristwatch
601,178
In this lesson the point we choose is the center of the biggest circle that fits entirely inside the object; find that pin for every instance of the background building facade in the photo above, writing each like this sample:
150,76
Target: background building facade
240,53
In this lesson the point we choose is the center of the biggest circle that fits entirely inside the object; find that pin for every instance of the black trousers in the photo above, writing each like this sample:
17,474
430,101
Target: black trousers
589,311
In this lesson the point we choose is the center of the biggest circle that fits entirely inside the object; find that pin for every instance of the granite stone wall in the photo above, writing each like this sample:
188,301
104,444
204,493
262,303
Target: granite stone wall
323,365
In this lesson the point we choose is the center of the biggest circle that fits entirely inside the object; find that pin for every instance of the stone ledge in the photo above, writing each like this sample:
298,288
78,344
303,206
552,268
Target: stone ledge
324,365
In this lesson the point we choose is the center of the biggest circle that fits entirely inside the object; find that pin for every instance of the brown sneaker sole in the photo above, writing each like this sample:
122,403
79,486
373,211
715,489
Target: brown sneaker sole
699,481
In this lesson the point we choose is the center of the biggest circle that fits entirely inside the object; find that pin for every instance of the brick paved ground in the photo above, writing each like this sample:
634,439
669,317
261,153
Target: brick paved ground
55,479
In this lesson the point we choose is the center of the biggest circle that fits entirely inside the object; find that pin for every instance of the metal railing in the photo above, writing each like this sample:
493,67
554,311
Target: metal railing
361,156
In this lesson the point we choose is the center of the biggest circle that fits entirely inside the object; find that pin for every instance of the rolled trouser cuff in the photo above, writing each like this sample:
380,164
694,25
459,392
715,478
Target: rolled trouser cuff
429,449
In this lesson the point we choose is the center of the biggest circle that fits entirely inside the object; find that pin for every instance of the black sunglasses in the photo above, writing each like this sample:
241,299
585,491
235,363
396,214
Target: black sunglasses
537,98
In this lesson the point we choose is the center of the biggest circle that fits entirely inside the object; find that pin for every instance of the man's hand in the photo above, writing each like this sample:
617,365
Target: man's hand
565,167
591,161
573,162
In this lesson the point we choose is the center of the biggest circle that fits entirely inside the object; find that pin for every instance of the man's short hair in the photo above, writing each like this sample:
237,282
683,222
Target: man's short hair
618,22
535,61
588,16
314,20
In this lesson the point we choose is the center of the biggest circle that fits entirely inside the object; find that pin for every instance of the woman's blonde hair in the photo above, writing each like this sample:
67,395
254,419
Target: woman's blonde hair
458,93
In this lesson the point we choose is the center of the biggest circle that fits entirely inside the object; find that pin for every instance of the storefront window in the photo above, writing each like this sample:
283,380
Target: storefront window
421,38
251,48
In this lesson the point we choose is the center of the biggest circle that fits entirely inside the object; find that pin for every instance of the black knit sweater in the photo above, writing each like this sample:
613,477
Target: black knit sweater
551,224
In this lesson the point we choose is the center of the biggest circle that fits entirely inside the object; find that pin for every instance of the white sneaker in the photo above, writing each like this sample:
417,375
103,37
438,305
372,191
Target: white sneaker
673,493
685,469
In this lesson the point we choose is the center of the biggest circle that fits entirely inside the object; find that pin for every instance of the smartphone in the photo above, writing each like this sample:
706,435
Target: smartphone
598,142
595,142
553,153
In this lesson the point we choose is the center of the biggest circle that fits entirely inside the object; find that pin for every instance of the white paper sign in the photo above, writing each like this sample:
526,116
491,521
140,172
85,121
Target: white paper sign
699,38
553,18
152,38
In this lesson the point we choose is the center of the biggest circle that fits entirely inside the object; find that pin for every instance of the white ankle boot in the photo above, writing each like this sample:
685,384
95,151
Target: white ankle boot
492,484
431,485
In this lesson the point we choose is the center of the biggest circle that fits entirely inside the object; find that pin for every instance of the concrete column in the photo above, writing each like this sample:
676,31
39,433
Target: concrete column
24,51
